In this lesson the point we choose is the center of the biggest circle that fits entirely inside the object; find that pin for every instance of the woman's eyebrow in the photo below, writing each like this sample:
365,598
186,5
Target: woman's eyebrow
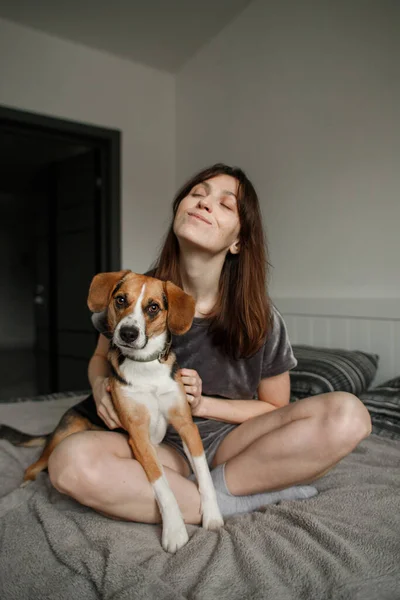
205,185
228,193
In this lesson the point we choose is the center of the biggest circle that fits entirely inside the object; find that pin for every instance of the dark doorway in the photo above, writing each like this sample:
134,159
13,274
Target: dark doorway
59,226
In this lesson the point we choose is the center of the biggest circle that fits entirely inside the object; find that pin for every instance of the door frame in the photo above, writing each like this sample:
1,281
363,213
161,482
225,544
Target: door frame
109,140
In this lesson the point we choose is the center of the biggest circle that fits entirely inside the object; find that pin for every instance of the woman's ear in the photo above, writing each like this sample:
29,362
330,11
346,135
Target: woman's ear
101,288
235,247
181,309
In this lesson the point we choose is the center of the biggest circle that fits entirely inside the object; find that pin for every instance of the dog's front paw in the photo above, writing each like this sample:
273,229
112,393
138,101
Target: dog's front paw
212,518
174,537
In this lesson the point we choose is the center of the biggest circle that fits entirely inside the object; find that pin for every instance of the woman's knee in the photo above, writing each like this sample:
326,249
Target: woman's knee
75,466
345,421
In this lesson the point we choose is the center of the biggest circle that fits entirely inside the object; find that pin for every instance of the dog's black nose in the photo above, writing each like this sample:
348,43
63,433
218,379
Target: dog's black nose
128,334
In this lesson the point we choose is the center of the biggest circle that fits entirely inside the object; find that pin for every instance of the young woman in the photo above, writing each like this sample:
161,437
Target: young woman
235,364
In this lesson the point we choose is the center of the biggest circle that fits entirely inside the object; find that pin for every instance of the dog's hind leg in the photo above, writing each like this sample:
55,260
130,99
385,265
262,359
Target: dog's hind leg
70,423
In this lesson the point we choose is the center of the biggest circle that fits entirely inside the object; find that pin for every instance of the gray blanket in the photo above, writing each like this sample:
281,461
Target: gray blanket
342,545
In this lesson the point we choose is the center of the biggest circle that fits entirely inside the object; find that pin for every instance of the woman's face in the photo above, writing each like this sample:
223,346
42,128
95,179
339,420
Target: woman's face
207,218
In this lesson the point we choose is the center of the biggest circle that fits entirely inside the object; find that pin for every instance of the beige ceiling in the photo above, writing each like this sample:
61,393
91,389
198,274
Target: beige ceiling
157,33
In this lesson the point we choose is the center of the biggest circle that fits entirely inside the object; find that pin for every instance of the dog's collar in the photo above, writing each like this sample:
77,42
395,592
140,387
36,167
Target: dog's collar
160,356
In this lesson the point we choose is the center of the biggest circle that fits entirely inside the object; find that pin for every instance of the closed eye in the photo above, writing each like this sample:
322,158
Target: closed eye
229,205
199,191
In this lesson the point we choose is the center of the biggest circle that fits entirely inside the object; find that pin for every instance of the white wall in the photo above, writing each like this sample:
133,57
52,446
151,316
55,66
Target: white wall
305,96
46,75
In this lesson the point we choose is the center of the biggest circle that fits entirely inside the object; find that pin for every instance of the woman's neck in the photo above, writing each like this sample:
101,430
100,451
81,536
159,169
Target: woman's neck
200,278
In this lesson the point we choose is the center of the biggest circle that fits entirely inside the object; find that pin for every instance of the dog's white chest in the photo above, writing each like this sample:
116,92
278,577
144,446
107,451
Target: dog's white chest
151,384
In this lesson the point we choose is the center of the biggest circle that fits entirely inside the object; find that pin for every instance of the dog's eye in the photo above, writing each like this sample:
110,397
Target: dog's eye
153,309
120,301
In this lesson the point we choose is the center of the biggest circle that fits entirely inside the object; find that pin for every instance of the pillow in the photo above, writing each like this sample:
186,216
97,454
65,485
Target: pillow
392,383
383,403
321,370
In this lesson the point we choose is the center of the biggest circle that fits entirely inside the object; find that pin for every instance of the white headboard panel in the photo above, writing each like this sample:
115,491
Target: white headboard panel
372,325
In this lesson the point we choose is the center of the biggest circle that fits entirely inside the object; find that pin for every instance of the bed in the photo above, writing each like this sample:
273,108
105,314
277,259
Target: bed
343,544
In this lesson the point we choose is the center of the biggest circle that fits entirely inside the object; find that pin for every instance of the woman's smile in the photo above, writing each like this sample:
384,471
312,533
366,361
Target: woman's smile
199,217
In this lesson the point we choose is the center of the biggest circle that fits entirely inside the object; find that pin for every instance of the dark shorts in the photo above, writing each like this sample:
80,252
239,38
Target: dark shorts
212,432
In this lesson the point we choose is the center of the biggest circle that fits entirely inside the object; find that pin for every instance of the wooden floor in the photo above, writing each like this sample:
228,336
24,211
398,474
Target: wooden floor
17,374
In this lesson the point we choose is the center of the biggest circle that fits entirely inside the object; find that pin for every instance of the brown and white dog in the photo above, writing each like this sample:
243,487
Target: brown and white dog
146,389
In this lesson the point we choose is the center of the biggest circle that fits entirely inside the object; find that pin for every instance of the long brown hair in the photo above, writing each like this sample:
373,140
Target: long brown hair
241,316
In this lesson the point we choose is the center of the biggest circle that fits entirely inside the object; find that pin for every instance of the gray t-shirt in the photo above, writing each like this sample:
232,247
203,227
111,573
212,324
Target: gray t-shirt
226,377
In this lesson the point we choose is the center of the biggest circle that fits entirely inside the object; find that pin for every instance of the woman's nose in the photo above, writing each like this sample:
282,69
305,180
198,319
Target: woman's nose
206,203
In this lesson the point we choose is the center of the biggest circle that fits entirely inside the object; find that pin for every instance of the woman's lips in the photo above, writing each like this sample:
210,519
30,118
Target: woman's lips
200,217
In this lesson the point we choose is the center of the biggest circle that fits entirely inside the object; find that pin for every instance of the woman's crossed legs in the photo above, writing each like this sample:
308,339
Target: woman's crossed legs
292,445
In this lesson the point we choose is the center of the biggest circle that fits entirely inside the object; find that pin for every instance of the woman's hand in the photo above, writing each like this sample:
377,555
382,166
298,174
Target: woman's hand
104,405
193,388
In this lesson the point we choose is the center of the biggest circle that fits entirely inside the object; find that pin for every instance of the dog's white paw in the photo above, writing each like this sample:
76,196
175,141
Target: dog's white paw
174,537
25,483
212,518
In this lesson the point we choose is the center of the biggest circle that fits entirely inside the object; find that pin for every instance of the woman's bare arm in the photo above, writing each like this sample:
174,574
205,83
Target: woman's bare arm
98,364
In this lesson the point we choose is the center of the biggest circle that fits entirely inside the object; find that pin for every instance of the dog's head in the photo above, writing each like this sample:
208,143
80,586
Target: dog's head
140,310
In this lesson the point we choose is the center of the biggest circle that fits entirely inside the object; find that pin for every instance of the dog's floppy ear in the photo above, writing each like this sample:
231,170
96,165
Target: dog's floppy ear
101,288
181,308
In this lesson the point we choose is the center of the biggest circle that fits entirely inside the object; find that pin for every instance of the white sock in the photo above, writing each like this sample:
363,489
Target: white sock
230,504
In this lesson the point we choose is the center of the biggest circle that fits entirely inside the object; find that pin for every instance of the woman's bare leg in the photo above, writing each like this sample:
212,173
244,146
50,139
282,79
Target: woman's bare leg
292,445
98,470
